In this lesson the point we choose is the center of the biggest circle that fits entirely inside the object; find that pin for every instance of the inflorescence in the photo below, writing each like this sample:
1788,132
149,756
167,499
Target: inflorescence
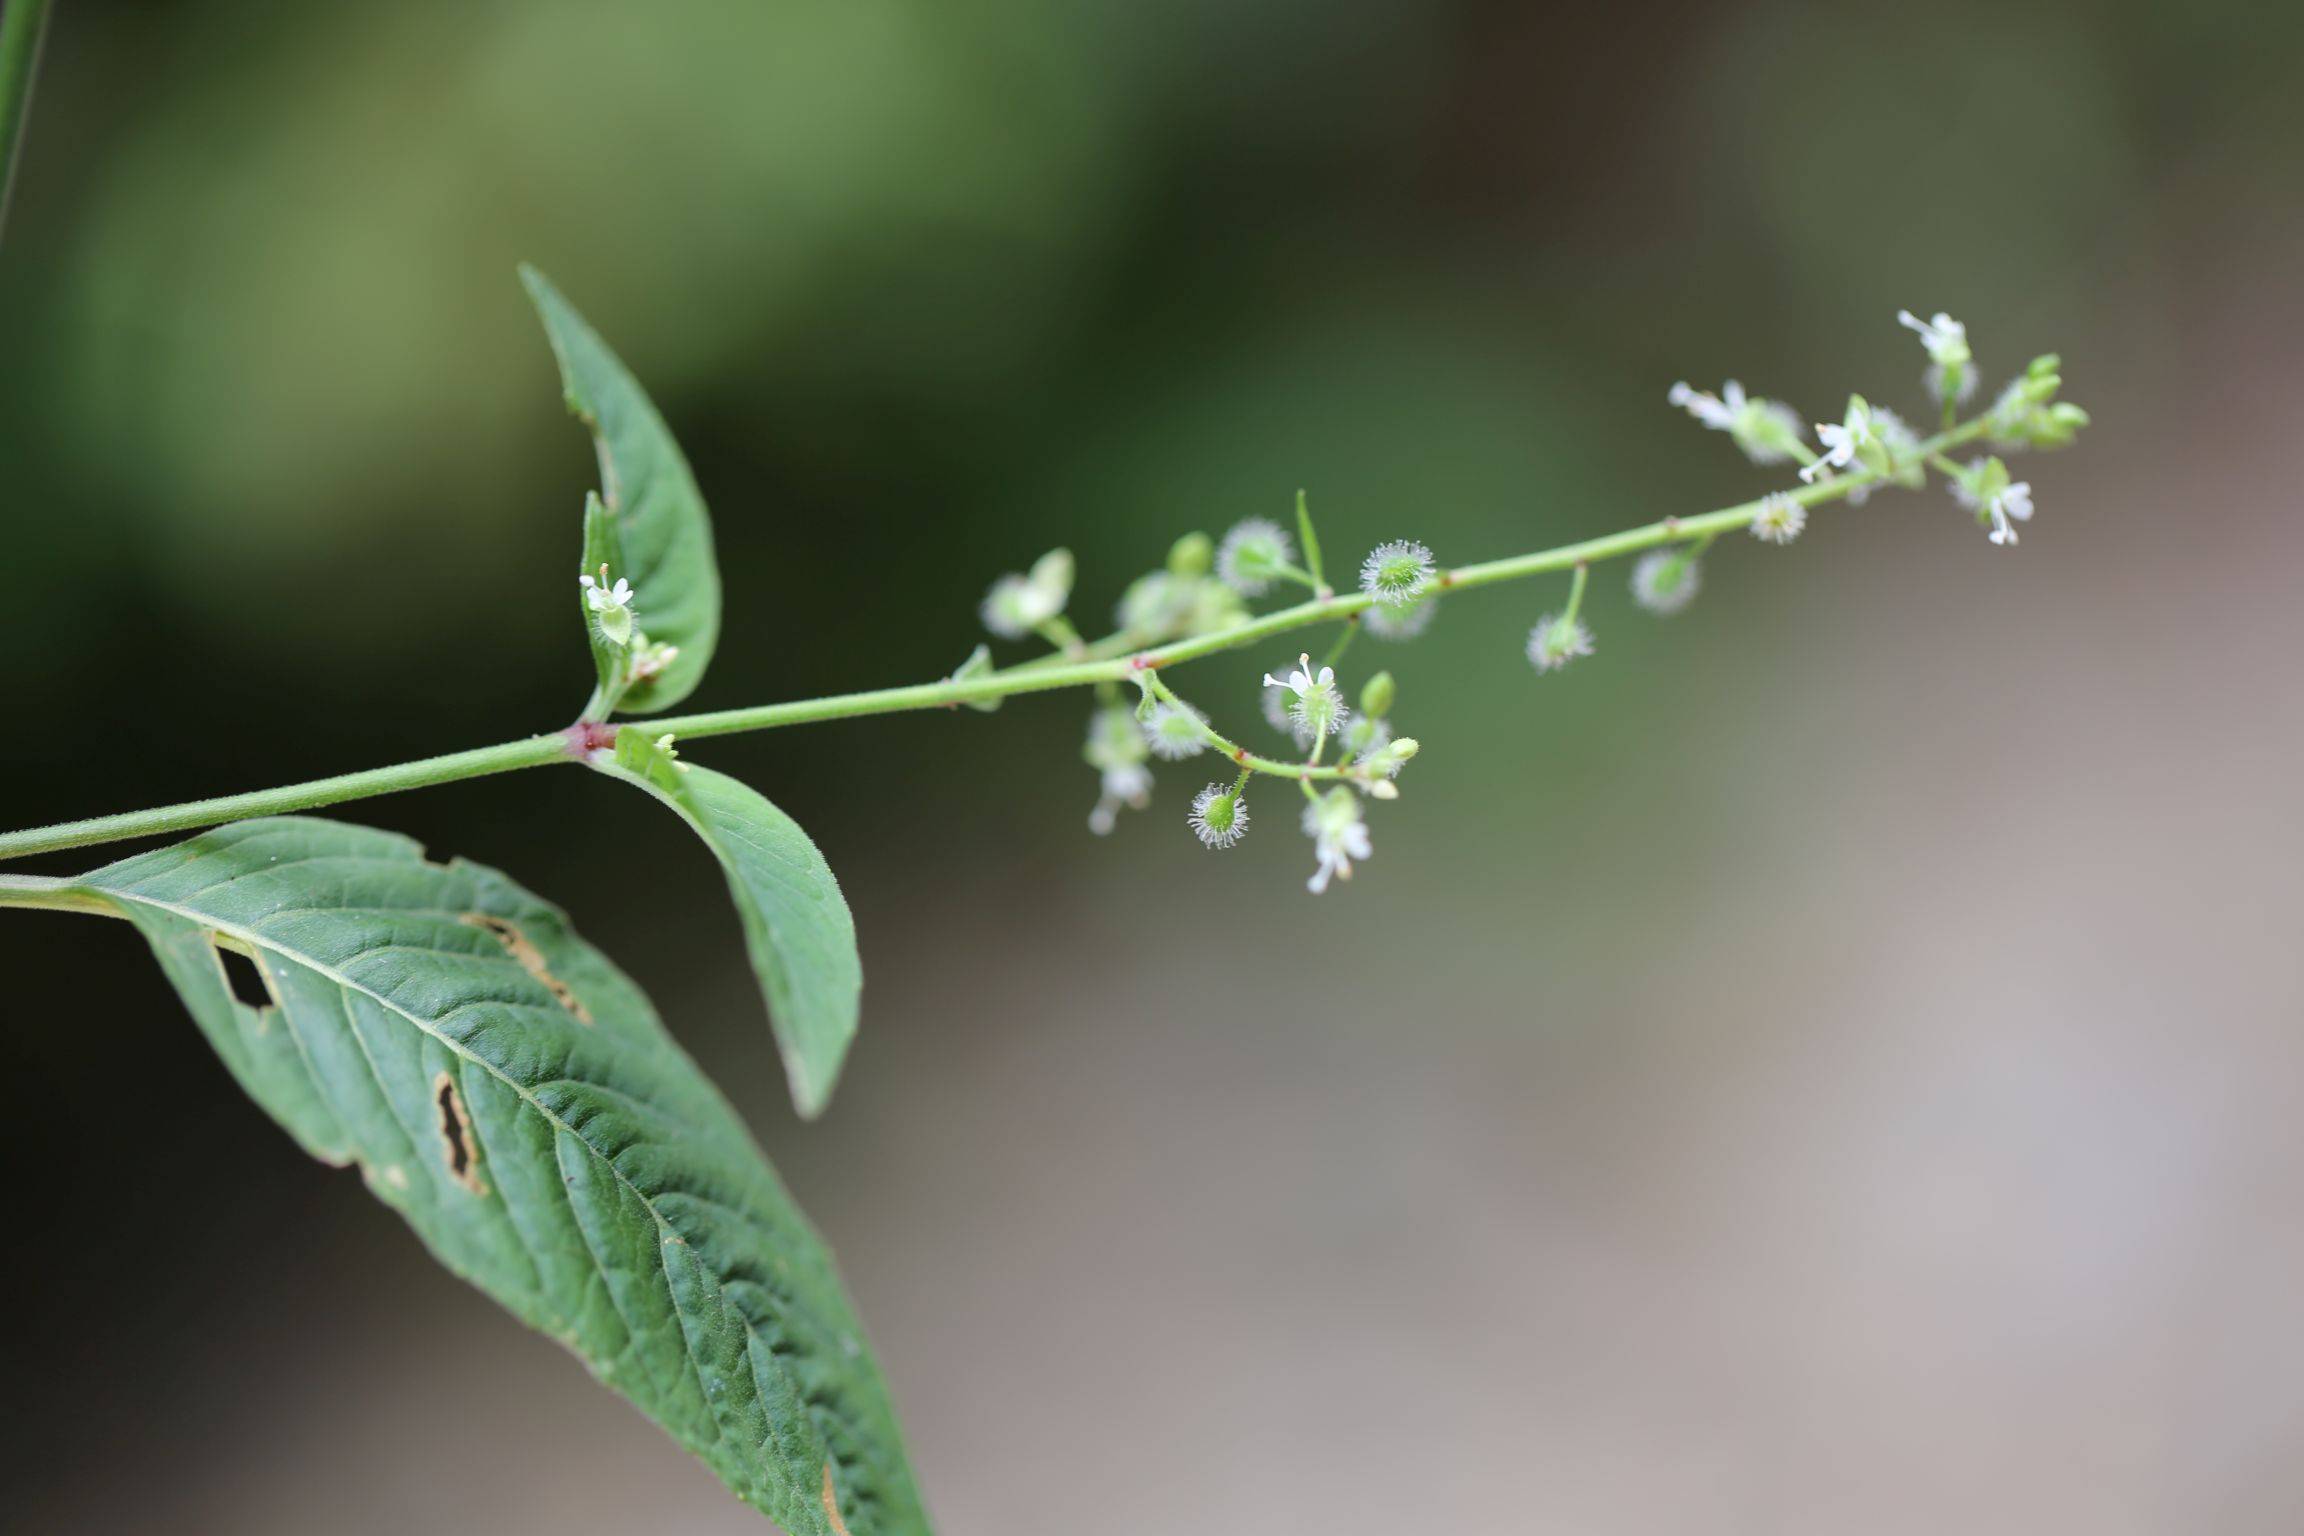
1204,589
1203,592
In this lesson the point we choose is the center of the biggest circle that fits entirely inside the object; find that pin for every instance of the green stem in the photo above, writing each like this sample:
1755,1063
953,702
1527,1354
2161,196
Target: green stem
21,24
532,753
1030,677
1248,761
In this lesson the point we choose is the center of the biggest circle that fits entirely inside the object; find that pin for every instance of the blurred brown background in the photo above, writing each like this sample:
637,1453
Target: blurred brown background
1832,1061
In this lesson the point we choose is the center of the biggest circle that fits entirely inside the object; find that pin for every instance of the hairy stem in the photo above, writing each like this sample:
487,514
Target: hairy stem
1110,661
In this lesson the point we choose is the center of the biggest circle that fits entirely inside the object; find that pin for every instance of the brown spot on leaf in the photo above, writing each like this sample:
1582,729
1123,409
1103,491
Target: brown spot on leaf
456,1135
832,1504
530,958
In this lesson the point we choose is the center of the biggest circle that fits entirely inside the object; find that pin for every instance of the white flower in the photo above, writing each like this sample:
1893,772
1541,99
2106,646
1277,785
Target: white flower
610,605
1556,641
1219,817
1404,623
1301,681
1276,702
1318,708
2013,502
1398,573
1665,580
1709,409
1983,487
1176,733
1945,338
1949,374
1842,440
1779,519
1338,836
1902,449
1765,429
1249,559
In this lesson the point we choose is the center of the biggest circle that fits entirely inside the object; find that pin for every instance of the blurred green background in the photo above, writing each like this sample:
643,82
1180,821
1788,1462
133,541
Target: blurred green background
1830,1061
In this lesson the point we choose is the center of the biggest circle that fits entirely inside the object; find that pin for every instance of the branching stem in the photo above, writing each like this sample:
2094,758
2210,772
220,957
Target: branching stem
1107,661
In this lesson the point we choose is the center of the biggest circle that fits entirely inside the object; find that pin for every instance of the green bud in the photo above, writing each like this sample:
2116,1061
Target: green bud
1376,697
1192,555
1051,578
2057,426
2045,363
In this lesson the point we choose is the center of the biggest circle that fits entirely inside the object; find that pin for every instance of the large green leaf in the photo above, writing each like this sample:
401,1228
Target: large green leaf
512,1095
661,525
797,926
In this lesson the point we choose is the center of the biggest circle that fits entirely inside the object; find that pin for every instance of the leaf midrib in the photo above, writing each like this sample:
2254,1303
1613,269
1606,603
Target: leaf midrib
247,935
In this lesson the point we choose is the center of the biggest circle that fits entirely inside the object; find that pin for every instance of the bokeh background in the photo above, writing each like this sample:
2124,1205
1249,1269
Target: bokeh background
1832,1061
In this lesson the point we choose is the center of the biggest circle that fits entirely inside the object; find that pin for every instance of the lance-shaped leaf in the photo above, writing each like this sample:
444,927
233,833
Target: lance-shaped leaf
645,485
797,926
512,1095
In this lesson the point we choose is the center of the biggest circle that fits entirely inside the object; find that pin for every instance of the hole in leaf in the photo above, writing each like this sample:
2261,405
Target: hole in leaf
244,978
456,1134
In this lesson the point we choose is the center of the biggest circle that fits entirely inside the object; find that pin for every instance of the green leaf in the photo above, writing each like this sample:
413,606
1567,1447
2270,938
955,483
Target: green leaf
1311,540
797,926
512,1095
645,485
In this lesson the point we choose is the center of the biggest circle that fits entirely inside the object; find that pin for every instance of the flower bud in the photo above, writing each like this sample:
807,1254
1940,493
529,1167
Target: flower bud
1665,580
1398,573
1175,733
1192,555
1219,816
1252,555
1376,696
1555,642
1387,761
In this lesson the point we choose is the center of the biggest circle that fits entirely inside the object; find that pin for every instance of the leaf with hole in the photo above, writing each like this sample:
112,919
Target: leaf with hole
512,1095
797,926
647,490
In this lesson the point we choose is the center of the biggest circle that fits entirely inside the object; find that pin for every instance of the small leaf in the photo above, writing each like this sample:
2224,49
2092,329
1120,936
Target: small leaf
797,926
1311,540
505,1089
647,490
